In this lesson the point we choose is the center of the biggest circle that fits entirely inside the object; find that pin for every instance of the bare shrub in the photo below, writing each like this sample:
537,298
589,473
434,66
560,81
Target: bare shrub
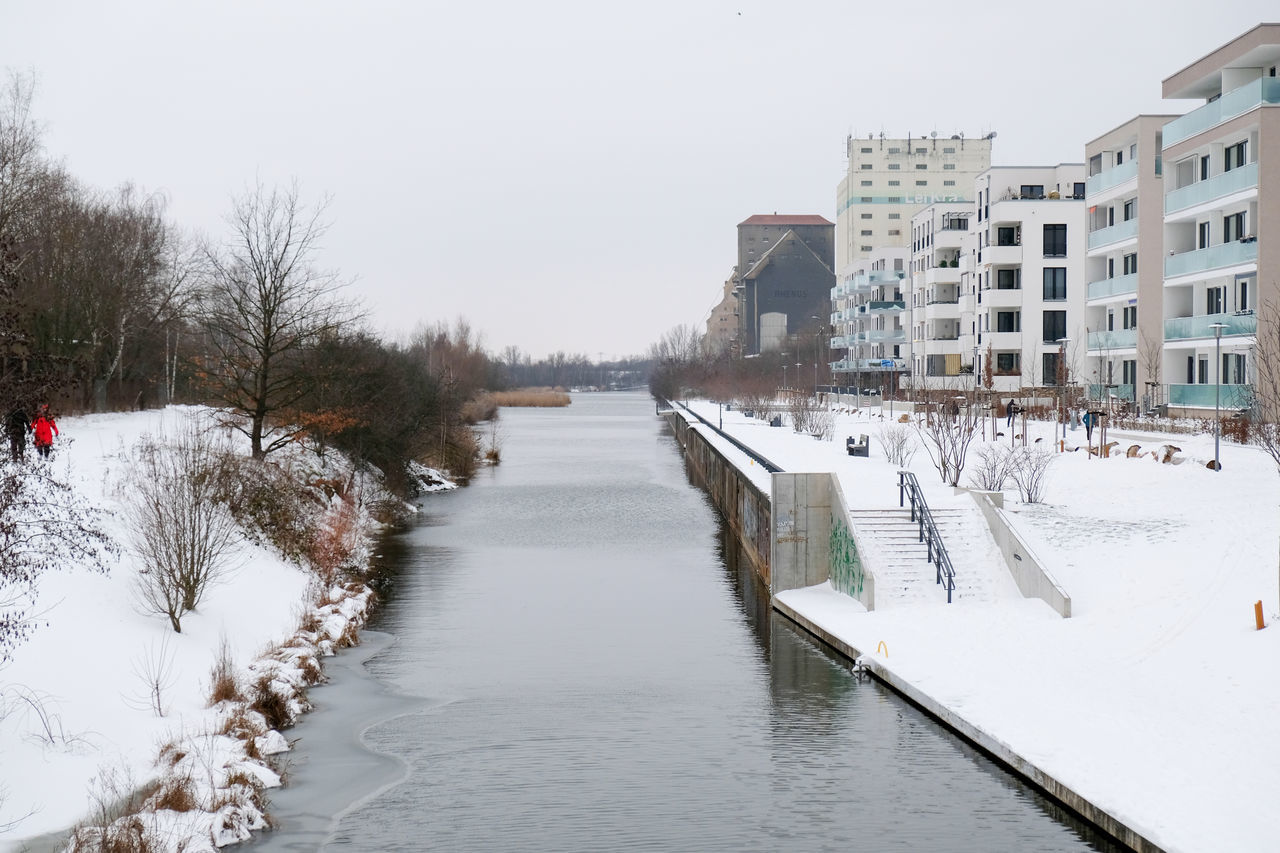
947,430
993,468
268,504
334,542
898,443
179,530
270,704
44,525
1029,468
154,669
224,685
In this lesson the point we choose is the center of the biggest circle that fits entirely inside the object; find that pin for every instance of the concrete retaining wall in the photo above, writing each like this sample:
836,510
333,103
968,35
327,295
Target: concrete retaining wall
744,506
1029,573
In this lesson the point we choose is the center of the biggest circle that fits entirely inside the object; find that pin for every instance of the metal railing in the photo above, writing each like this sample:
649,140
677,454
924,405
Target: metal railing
768,466
909,488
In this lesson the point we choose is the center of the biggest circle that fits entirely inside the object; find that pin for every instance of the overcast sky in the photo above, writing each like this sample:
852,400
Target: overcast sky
569,175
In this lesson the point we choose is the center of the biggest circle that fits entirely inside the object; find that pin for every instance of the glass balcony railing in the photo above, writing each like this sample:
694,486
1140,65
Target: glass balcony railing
882,307
1246,177
1265,90
1114,233
1116,339
878,336
1222,255
1208,396
1113,286
1185,328
1107,392
1109,178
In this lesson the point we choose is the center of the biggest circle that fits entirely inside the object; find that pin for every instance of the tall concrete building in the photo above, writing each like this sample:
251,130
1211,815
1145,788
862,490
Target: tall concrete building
1221,166
783,278
1125,262
888,180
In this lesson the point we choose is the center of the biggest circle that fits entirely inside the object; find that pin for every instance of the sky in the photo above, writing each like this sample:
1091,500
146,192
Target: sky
568,175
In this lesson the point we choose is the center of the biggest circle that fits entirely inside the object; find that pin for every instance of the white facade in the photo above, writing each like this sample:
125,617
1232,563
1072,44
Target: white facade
1027,282
938,239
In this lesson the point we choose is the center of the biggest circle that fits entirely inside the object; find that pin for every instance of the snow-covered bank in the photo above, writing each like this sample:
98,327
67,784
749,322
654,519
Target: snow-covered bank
1157,699
78,725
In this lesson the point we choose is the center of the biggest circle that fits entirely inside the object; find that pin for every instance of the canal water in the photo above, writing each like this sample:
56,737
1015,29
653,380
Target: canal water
576,659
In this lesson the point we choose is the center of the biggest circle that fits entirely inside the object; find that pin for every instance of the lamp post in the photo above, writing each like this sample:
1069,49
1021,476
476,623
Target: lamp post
784,369
1062,383
1217,390
817,338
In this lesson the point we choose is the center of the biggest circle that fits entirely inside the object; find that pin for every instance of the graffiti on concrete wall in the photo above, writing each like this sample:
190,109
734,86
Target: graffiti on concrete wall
847,573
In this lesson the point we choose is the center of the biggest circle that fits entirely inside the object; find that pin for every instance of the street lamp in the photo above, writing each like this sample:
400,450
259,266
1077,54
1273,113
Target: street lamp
1217,390
1062,384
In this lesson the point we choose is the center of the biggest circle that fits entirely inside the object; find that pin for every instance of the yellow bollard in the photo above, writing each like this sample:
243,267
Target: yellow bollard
886,648
1257,615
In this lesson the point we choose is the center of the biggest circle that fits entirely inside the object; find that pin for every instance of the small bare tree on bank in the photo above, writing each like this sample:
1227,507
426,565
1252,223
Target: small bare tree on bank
177,525
948,428
898,441
810,417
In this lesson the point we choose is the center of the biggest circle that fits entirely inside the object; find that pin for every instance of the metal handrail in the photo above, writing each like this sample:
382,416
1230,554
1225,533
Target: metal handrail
768,466
909,488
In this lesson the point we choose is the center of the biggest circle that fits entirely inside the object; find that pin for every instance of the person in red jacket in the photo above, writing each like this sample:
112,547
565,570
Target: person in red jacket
45,429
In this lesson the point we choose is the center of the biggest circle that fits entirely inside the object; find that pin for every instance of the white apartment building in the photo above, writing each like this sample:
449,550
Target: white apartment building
1221,221
1124,268
869,320
888,180
1023,300
938,236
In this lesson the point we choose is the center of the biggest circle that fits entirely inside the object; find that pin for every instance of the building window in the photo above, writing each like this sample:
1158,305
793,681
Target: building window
1215,300
866,199
1204,168
1131,264
866,166
1008,321
895,183
1233,157
1049,363
922,165
1077,190
1130,317
1007,362
866,216
1055,284
1202,235
1055,241
1007,235
1009,279
865,233
1130,209
895,215
1233,227
895,150
864,248
1031,191
1054,327
894,232
922,183
866,150
895,166
952,150
867,183
949,167
948,183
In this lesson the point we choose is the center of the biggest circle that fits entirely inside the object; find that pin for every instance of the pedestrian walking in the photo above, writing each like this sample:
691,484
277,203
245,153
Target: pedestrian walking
45,429
18,426
1088,426
1010,410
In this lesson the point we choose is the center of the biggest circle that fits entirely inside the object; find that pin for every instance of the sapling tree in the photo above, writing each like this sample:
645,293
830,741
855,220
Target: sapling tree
948,428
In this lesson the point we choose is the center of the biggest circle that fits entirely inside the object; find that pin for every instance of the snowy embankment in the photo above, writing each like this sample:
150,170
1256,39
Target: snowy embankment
106,706
1157,699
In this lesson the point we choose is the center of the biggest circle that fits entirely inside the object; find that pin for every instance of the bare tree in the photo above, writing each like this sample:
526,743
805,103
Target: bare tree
947,430
265,304
1029,468
898,443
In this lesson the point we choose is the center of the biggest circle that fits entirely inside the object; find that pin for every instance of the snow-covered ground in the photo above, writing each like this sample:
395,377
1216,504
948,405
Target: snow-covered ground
1158,699
76,718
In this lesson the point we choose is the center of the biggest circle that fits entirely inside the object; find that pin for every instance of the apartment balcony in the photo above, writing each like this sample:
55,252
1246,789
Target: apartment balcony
1002,256
942,310
882,336
1195,328
842,341
1110,287
1110,392
1110,178
943,335
869,365
883,307
1229,183
1265,90
1117,233
997,298
1232,254
1225,397
942,275
1115,339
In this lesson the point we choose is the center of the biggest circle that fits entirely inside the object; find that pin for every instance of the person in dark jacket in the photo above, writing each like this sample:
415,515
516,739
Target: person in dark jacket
18,426
1010,410
45,429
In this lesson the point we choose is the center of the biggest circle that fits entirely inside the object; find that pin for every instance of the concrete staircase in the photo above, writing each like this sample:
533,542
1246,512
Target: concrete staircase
905,577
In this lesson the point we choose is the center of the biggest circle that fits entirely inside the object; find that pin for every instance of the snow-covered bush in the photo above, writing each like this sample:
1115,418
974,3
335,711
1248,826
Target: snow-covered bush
994,466
1029,468
898,443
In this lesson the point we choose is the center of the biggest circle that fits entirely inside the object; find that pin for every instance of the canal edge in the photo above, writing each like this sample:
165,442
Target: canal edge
982,740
